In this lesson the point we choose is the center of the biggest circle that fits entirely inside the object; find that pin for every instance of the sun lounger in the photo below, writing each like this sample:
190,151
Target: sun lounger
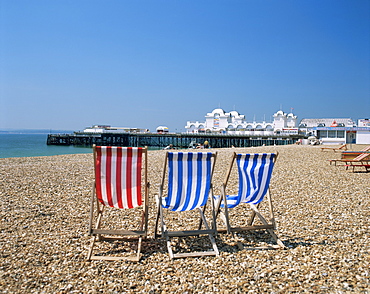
362,160
335,149
349,155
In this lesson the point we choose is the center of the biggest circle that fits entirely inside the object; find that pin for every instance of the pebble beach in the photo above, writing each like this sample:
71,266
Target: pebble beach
322,213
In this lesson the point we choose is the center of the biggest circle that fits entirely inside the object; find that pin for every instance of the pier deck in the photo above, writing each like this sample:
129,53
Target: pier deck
178,140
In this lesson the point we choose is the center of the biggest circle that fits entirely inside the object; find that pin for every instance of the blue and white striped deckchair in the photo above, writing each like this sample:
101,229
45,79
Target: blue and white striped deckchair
254,172
189,186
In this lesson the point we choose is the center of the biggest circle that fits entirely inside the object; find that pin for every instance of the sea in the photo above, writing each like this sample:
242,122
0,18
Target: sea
32,145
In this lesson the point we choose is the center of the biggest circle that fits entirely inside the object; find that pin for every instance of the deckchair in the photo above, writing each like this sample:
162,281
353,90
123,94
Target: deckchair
349,155
340,148
119,185
363,160
189,188
254,171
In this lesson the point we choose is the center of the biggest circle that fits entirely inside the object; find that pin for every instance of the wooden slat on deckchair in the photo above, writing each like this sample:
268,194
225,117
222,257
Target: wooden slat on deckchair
367,148
118,184
347,154
255,171
363,160
189,187
342,147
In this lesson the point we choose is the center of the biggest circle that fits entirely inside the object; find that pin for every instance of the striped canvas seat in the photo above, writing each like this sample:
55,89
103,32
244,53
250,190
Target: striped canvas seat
363,160
118,176
362,157
189,180
119,184
189,188
255,172
254,175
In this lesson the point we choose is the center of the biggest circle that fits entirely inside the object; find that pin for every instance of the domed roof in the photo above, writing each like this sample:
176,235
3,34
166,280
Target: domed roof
234,113
280,112
219,111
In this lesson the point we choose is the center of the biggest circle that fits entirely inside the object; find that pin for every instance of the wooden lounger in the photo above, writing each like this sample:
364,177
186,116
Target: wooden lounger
341,148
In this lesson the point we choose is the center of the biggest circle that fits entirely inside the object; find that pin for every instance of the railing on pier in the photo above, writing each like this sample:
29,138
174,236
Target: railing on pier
178,140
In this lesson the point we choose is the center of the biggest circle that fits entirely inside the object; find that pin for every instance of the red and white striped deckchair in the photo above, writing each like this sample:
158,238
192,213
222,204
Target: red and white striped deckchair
119,184
254,173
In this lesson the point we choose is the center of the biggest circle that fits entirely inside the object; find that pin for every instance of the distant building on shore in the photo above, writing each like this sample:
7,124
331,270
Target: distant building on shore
337,130
105,129
327,130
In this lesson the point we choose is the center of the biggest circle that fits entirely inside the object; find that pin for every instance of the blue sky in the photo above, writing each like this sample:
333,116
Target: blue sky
135,63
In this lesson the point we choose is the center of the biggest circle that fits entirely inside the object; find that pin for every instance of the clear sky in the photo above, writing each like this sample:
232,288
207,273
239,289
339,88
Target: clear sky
143,63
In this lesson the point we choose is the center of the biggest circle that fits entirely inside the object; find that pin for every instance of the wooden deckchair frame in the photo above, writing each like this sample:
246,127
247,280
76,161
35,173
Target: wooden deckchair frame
335,149
166,234
363,160
344,160
98,233
268,222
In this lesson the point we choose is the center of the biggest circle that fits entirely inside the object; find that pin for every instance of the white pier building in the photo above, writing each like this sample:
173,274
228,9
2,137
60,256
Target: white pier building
234,123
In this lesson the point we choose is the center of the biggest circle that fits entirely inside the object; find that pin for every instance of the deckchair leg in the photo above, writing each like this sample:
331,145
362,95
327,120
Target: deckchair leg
223,214
169,248
253,215
276,238
201,220
93,197
158,217
138,255
224,220
98,222
91,248
164,234
211,238
272,218
214,223
99,214
226,216
271,232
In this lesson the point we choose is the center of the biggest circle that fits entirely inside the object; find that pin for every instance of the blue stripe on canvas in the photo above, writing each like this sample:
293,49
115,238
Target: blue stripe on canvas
208,179
180,173
260,168
170,179
269,174
189,181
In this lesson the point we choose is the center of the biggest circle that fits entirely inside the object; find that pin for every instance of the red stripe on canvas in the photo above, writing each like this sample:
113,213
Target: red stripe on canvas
119,177
97,174
108,174
128,178
138,176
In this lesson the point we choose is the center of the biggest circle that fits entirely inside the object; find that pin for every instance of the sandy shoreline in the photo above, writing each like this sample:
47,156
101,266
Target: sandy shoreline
322,213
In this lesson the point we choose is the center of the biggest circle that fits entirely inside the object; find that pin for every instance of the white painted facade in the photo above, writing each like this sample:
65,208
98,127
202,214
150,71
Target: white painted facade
234,123
104,129
334,131
363,137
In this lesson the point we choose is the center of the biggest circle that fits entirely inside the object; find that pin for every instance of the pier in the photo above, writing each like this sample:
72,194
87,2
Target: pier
178,140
